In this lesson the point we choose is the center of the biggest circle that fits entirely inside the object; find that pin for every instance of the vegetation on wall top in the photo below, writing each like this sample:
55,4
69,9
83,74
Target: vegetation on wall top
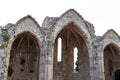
6,37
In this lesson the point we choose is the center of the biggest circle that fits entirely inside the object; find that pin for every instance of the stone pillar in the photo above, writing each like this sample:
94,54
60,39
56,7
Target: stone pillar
92,64
98,61
6,62
2,72
42,74
49,59
46,60
100,64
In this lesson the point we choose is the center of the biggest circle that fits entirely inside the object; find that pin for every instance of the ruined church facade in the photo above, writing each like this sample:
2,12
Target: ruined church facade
31,52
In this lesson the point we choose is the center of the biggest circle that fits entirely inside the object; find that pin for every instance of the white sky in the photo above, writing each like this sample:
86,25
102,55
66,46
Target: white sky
103,14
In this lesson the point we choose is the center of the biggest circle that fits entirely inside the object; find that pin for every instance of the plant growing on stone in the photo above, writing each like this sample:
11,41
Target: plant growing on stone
48,33
6,37
3,58
95,46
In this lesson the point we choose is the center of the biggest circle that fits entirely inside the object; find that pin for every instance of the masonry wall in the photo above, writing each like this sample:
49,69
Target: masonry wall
93,50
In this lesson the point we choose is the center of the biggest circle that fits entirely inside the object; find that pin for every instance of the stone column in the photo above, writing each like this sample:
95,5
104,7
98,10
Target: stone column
100,64
42,68
6,62
98,61
3,75
46,60
49,59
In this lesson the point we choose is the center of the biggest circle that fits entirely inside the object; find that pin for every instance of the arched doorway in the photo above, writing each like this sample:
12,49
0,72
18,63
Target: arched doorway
117,75
24,58
111,61
63,69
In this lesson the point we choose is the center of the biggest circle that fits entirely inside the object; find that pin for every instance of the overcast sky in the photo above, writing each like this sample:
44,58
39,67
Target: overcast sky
103,14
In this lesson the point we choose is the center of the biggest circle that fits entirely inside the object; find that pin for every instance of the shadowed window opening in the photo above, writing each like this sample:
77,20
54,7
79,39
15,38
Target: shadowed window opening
66,60
24,58
117,75
111,61
110,67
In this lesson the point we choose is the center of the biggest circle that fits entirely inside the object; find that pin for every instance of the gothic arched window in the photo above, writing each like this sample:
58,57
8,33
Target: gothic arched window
59,50
75,59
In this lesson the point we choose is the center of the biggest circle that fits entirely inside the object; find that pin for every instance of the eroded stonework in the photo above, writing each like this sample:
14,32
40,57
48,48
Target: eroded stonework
30,52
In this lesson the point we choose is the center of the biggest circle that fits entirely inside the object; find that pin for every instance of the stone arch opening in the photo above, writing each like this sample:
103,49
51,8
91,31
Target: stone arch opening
24,58
111,61
117,75
71,37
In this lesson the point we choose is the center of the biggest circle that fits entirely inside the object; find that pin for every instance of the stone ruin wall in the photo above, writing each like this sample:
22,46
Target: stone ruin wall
97,46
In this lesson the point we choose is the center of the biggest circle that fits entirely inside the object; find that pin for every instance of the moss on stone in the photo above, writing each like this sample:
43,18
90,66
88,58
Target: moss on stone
6,37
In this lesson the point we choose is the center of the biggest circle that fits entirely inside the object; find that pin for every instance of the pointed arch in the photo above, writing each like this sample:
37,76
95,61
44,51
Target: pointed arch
71,37
69,17
111,55
28,17
24,58
27,23
117,75
59,50
111,34
110,37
